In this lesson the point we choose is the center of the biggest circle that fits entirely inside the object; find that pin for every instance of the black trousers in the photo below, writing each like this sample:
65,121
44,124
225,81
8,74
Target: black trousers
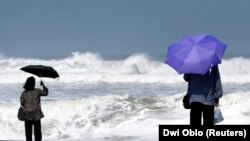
37,130
199,109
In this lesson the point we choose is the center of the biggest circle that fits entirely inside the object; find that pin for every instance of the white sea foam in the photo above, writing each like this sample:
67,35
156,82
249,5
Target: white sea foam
116,117
102,115
91,67
110,100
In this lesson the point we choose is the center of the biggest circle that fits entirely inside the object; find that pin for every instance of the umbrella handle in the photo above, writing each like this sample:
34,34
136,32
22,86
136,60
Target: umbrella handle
41,80
41,83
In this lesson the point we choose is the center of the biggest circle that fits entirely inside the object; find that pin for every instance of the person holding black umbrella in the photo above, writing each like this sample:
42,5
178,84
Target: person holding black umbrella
30,100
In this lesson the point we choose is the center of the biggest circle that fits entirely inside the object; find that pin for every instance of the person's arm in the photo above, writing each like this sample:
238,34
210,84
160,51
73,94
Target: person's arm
45,90
22,100
216,102
218,86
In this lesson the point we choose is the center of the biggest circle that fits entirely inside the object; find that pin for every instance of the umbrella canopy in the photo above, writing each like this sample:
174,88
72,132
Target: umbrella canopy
41,71
195,54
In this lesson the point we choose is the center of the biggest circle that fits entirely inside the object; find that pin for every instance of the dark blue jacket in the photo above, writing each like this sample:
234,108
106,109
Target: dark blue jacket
206,88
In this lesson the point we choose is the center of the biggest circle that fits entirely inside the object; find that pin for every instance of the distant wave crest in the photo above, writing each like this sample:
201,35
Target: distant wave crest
91,67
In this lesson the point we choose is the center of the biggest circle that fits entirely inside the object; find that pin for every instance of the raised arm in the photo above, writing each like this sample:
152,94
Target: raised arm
45,90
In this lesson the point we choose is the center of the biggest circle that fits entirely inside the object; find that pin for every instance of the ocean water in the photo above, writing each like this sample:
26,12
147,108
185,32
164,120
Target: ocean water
114,100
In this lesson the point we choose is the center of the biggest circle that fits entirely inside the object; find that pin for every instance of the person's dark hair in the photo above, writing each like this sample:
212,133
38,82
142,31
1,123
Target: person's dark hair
29,84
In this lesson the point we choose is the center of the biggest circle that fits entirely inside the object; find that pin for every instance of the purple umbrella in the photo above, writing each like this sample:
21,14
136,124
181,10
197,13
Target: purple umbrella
195,54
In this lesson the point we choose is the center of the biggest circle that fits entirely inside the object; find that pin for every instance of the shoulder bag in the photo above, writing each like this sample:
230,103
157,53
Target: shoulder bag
21,114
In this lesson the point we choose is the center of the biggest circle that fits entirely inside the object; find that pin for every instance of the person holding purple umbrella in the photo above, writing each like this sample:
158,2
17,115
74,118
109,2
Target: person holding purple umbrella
198,57
204,92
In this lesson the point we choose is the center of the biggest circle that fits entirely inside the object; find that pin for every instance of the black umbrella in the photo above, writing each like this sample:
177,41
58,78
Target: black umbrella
41,71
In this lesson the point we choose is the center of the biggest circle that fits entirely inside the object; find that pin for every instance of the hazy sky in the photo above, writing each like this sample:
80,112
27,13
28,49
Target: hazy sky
118,27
